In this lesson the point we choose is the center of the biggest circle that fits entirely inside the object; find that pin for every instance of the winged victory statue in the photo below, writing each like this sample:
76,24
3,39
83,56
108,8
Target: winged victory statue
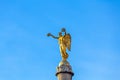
64,40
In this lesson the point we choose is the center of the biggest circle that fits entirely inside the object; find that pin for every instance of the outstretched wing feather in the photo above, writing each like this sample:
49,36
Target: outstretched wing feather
67,41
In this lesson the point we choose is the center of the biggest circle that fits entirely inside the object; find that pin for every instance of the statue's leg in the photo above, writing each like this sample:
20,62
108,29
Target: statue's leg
61,51
65,53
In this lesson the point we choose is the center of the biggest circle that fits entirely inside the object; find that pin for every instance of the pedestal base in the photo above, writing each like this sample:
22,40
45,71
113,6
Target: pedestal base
64,71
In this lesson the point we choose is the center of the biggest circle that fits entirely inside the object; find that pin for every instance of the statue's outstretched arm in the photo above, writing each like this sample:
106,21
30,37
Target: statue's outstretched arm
49,34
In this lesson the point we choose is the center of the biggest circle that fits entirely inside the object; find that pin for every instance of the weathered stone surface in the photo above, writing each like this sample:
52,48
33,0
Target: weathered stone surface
64,71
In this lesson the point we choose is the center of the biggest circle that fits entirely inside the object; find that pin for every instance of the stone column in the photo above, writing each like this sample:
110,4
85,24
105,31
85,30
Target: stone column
64,71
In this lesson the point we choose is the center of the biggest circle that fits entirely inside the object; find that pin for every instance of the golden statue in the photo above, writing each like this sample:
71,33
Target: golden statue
64,42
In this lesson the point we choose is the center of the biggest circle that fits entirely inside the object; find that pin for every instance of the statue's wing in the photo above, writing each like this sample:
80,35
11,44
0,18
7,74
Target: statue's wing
67,41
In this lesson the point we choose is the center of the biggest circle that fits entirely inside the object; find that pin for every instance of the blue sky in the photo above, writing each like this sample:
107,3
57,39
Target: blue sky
27,54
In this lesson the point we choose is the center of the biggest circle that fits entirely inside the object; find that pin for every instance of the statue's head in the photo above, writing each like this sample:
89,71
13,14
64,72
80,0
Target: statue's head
63,30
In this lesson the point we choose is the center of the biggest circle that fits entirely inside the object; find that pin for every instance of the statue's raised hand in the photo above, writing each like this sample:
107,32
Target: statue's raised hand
49,34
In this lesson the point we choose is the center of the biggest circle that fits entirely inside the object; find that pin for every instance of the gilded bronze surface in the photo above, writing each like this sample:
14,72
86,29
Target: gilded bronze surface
64,40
